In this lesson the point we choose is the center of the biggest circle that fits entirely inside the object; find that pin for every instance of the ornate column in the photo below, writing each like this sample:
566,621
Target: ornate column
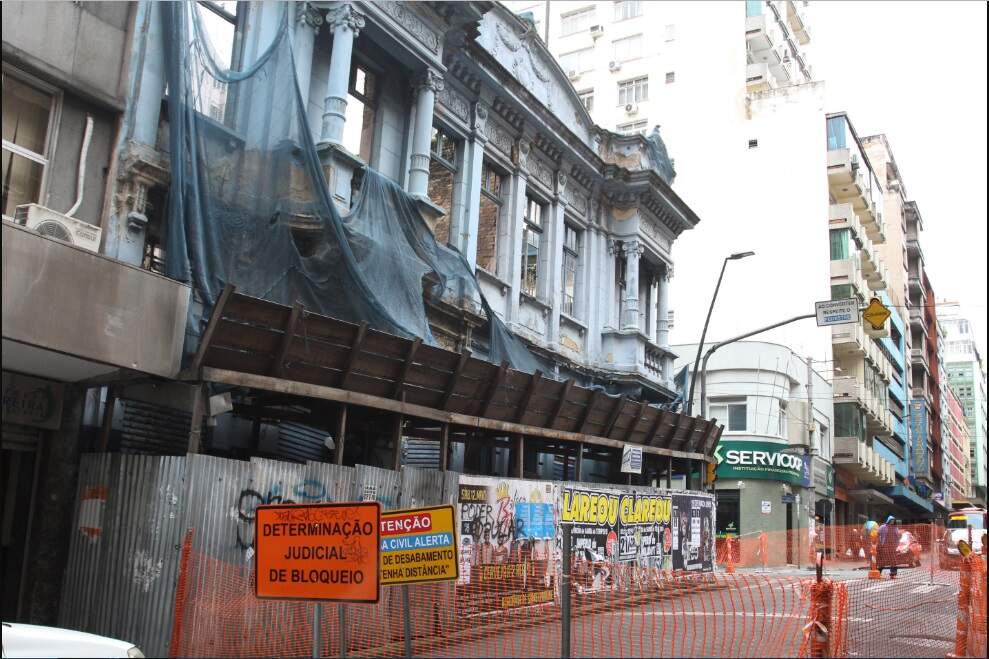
345,24
554,262
633,250
307,23
473,162
663,308
426,87
510,232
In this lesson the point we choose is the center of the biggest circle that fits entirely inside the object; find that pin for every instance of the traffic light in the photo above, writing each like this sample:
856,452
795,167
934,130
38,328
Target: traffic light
712,473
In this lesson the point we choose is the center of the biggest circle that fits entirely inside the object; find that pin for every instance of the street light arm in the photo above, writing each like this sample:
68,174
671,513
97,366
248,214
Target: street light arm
712,349
700,346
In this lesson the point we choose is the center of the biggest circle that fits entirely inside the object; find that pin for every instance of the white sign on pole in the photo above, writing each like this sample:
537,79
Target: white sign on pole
837,312
767,507
631,459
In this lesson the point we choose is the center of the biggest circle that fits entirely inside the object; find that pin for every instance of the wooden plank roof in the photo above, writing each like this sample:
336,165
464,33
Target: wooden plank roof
354,363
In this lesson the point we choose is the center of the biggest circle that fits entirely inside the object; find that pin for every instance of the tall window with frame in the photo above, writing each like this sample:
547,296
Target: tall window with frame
358,129
571,261
28,114
576,21
627,9
621,269
532,234
490,215
223,21
443,150
635,90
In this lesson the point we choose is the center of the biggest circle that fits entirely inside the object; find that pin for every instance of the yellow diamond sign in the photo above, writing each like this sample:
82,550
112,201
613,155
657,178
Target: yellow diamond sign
876,314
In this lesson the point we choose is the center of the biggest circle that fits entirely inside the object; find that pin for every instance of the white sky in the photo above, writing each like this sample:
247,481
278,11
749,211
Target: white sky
916,71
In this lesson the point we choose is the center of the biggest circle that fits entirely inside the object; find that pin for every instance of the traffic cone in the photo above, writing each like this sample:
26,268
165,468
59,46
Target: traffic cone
873,570
730,569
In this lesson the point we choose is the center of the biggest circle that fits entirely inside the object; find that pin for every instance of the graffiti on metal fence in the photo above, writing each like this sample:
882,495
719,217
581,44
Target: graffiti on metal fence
307,491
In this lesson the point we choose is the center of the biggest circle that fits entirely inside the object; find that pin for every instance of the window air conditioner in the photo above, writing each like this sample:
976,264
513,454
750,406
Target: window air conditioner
631,108
61,227
573,75
614,65
596,30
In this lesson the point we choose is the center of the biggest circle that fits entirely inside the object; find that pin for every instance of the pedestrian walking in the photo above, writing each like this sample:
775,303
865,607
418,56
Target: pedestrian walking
889,538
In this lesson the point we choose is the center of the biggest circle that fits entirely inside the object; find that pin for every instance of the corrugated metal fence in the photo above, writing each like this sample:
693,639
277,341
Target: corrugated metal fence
132,512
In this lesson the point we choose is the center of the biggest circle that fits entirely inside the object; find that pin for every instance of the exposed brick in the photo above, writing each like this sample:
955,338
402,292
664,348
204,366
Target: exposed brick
440,192
487,235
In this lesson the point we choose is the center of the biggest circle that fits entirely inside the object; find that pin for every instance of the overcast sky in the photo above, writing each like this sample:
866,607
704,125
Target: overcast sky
916,71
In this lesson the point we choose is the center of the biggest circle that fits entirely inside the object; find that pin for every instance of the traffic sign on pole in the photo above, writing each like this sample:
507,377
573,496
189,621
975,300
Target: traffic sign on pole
837,312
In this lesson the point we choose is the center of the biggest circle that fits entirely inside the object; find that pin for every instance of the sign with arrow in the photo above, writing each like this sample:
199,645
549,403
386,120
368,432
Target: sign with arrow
876,314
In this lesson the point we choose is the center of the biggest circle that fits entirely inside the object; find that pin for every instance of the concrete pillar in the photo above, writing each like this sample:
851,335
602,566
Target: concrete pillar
345,24
148,81
595,255
464,226
632,250
510,232
553,272
307,23
426,87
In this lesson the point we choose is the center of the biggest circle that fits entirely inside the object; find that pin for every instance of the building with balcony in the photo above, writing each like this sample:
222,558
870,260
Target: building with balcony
957,472
117,336
737,102
967,379
771,400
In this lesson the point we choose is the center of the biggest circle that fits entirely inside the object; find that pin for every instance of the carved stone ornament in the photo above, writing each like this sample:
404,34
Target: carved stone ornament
541,172
668,272
561,182
306,14
614,246
414,25
515,44
633,248
344,16
480,119
430,80
500,138
522,151
455,103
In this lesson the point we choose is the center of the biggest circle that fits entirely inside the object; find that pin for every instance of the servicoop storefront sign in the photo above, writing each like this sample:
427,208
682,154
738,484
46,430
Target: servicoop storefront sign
761,460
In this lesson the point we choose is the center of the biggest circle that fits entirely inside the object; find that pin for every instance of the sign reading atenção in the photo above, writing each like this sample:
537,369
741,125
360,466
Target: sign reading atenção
325,551
418,545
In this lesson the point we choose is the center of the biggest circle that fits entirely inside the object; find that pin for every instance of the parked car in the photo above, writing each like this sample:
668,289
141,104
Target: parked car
35,641
909,550
968,524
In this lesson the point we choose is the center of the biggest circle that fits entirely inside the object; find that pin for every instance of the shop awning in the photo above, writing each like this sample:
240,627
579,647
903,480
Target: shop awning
869,496
906,496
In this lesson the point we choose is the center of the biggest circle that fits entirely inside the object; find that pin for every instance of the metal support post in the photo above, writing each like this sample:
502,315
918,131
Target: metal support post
565,591
317,644
342,610
407,620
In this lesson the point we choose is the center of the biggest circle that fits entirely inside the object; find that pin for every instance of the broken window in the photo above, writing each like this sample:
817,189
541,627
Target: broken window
532,234
358,129
571,260
487,229
442,167
223,22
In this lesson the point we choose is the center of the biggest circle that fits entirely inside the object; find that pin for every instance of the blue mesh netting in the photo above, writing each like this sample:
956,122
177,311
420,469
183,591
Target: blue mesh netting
249,204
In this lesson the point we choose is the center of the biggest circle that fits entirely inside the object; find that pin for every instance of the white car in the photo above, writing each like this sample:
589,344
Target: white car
35,641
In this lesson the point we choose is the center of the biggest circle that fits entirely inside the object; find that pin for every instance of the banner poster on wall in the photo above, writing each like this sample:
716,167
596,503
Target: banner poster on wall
612,526
507,548
693,525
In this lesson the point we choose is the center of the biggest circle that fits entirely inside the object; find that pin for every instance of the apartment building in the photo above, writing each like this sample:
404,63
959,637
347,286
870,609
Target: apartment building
967,379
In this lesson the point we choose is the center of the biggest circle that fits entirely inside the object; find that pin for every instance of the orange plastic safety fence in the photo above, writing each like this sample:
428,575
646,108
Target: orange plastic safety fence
765,608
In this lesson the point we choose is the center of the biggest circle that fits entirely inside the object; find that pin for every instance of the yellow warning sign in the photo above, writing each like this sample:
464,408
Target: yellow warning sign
876,314
418,546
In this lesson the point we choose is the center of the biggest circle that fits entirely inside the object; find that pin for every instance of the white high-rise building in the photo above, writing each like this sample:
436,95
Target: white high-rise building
730,85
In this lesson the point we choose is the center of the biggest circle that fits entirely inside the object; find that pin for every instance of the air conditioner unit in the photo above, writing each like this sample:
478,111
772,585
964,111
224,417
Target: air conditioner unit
56,225
631,108
614,66
596,30
573,75
855,161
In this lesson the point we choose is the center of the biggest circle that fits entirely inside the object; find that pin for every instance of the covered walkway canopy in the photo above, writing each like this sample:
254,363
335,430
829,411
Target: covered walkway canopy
265,346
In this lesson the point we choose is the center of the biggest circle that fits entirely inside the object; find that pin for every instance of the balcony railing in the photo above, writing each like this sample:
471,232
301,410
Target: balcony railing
760,33
859,458
757,77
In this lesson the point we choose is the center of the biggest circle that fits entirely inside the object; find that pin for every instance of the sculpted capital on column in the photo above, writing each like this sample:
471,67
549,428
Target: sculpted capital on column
345,16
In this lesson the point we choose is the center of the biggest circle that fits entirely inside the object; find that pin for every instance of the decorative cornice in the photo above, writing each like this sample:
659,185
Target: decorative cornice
414,25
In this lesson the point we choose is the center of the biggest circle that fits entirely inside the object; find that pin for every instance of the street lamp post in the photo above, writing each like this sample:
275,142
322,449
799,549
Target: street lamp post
700,346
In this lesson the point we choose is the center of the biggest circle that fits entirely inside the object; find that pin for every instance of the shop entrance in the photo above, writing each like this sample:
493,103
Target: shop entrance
18,473
789,534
